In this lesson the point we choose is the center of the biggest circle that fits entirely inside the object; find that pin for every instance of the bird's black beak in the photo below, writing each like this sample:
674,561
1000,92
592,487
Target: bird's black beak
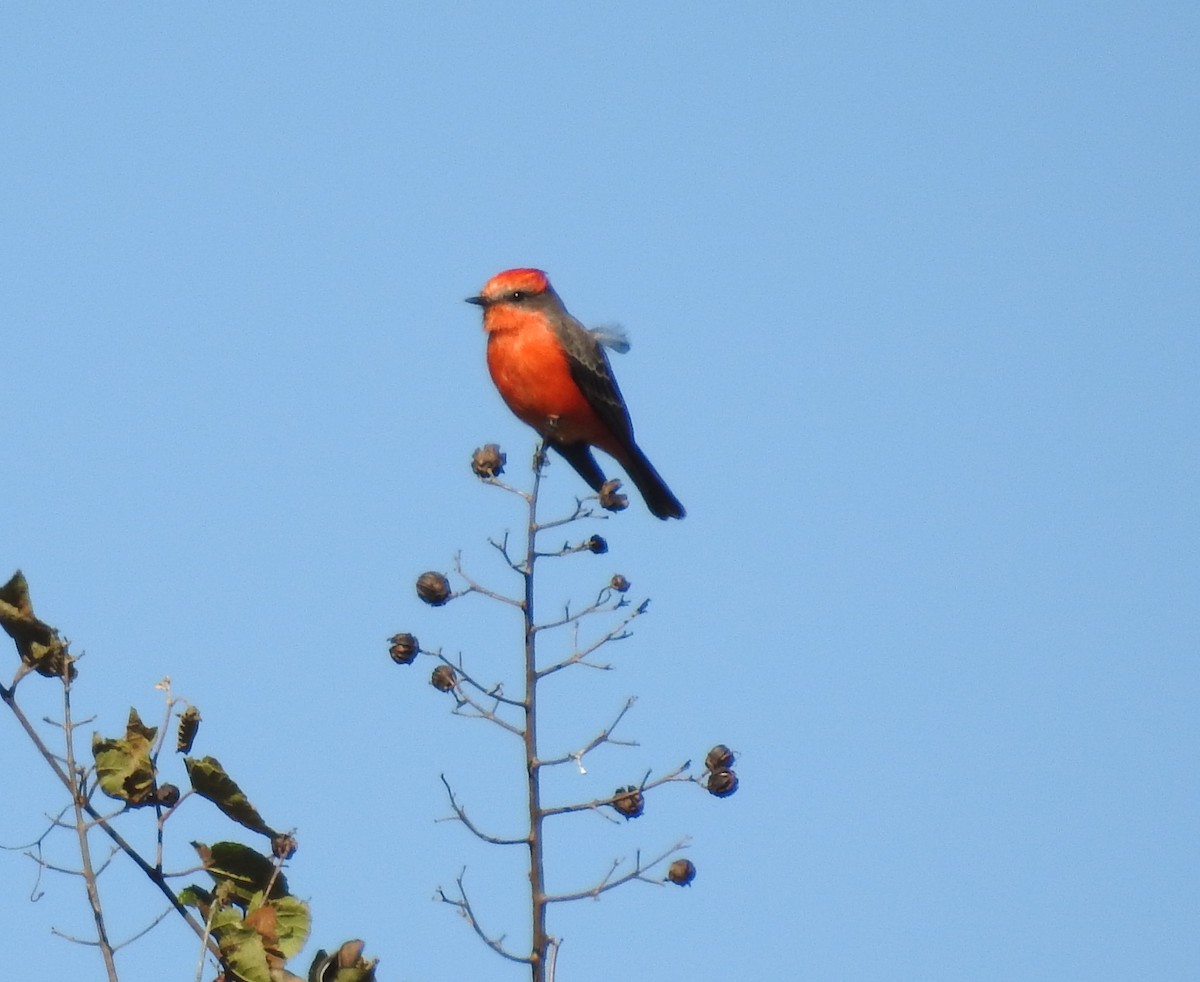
478,301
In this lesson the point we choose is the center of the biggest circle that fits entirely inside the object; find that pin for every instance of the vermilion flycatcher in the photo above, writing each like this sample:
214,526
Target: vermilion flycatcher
553,373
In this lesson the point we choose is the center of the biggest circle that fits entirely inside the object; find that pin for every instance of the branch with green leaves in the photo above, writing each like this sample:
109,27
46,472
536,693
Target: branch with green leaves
248,922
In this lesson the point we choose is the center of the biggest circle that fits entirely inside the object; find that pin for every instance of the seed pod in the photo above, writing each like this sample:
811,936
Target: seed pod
720,758
722,783
283,846
433,588
682,871
629,802
347,962
189,724
404,649
443,678
488,461
167,795
597,545
619,583
610,500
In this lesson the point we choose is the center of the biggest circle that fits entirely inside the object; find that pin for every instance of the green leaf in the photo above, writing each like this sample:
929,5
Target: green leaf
210,781
245,871
242,950
194,896
123,766
38,644
293,922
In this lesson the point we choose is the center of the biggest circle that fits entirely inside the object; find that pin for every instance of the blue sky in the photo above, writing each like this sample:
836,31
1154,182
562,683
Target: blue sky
912,290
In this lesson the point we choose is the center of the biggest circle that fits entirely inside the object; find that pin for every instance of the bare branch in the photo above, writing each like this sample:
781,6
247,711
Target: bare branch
461,814
638,872
568,549
474,587
505,486
583,509
601,605
617,633
79,802
144,931
89,942
54,867
165,728
479,711
96,822
502,548
190,871
492,692
101,821
676,775
477,700
604,736
54,822
463,906
207,943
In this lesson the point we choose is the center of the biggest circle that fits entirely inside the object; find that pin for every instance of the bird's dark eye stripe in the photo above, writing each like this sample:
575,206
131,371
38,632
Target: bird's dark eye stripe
518,295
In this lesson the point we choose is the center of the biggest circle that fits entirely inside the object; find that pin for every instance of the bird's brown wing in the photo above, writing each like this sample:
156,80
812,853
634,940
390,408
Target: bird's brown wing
593,374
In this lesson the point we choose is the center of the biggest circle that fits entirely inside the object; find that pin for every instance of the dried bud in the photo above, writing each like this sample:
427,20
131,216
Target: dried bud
722,783
404,649
682,871
346,962
283,846
488,461
619,583
167,795
720,758
610,500
189,724
629,801
433,588
442,678
597,545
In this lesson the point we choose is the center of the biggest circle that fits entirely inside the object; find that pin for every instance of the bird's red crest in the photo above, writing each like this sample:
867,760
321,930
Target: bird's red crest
511,280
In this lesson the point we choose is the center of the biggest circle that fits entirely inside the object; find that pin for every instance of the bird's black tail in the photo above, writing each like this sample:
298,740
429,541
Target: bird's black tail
658,497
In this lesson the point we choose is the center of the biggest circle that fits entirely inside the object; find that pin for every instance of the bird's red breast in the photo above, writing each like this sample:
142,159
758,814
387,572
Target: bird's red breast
553,374
533,375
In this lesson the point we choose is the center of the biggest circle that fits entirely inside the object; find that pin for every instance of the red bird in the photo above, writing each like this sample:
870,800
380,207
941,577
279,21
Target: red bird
553,374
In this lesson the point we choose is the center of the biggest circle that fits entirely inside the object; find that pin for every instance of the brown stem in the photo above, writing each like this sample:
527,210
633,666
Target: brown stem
154,875
537,876
78,803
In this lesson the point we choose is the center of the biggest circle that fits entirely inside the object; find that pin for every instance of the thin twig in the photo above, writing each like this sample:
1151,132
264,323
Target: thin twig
607,883
79,799
492,692
144,931
461,814
505,486
578,657
474,587
7,696
601,605
464,908
582,510
502,548
206,939
646,785
482,712
604,736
